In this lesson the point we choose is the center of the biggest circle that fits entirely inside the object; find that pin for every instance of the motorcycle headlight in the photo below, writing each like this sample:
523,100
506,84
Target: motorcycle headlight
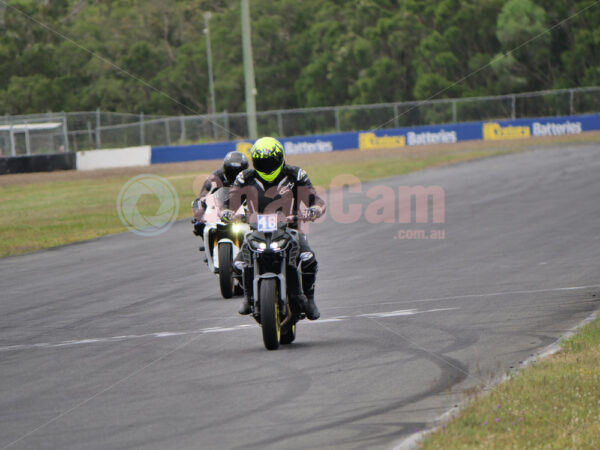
236,228
278,244
257,244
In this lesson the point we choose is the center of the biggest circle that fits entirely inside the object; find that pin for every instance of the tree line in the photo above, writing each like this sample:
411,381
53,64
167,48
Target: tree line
150,55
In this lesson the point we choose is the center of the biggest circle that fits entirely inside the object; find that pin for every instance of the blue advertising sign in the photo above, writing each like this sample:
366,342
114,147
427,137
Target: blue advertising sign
292,146
394,137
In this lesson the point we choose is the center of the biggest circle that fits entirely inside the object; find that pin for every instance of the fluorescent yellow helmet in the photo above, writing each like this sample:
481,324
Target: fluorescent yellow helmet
267,157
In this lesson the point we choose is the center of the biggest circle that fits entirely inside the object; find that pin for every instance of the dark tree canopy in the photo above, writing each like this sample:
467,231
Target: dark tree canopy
150,55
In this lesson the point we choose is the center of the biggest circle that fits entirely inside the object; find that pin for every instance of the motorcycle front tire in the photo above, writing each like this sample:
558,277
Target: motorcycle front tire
226,269
269,313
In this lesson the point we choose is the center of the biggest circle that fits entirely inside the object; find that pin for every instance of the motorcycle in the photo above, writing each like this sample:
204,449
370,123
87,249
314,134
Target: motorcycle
222,242
270,253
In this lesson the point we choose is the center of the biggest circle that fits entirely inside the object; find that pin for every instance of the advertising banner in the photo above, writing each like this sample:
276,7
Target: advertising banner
292,146
391,138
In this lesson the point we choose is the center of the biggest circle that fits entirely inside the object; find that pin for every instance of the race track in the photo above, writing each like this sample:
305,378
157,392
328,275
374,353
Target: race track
124,342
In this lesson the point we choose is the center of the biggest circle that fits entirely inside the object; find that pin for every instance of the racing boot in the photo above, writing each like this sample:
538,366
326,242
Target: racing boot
245,308
312,311
198,228
294,288
300,299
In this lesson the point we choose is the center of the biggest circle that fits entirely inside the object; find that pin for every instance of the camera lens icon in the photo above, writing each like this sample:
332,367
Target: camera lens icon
148,205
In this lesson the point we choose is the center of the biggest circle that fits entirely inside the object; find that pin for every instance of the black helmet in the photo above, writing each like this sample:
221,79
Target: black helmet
233,164
267,157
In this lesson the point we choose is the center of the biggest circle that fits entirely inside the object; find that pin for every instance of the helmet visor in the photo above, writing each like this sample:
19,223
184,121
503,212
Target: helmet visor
231,171
266,165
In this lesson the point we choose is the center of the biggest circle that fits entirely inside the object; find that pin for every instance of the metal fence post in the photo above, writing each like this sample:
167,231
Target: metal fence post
513,112
396,116
90,139
182,123
98,140
226,123
213,119
571,101
65,132
454,111
337,119
27,139
13,150
167,132
142,132
280,124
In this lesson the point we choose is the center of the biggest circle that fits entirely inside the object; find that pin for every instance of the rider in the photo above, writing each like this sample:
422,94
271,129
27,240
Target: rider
266,188
233,164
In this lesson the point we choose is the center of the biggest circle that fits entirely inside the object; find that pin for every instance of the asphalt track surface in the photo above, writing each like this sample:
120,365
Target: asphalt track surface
124,342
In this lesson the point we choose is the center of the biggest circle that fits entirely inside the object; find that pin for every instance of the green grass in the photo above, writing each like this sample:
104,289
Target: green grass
554,404
44,215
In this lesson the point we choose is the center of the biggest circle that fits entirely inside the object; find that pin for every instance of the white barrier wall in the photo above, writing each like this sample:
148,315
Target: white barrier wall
114,158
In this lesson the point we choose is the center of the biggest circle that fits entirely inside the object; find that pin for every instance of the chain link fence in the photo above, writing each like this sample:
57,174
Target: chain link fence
49,133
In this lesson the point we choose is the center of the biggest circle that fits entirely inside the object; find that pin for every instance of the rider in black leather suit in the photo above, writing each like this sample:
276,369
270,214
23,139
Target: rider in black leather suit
271,186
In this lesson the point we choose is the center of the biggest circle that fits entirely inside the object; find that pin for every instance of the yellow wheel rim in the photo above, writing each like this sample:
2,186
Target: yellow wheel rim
277,321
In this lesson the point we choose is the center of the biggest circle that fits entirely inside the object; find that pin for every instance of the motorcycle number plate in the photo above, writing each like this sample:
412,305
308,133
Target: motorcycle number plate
267,222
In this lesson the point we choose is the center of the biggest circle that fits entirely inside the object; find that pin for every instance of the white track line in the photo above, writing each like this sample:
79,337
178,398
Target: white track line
397,313
467,296
89,399
210,330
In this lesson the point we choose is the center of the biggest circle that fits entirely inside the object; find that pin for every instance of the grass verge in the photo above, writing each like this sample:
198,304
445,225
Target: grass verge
43,215
554,404
46,210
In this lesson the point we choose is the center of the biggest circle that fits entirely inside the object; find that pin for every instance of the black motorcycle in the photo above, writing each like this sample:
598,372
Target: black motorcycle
270,252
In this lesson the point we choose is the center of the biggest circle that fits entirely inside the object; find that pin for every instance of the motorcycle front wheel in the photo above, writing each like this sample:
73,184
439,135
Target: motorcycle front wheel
226,269
269,313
